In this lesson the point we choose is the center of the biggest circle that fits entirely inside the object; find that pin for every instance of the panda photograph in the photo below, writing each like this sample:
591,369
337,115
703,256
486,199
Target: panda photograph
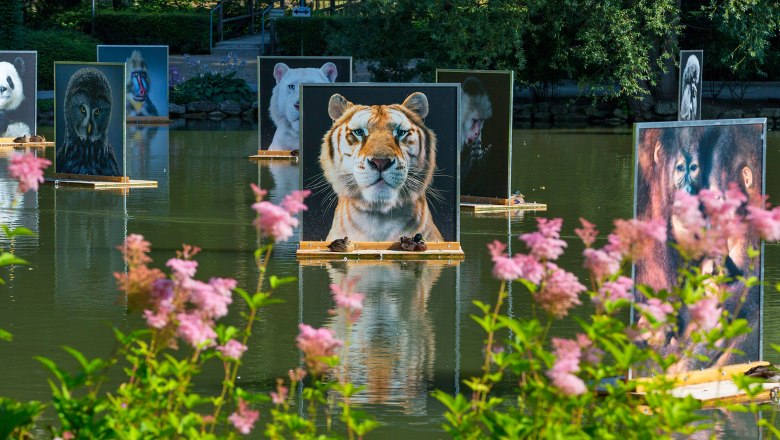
278,94
146,82
89,119
18,93
381,162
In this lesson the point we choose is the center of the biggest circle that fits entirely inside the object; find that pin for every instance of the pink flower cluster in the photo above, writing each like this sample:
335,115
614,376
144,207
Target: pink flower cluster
630,239
545,243
279,396
317,344
703,224
766,222
587,233
232,349
567,362
27,169
137,282
278,222
706,313
243,419
511,268
653,324
559,291
614,290
348,300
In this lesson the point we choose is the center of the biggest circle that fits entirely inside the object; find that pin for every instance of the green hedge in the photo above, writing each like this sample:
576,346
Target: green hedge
315,31
183,32
56,45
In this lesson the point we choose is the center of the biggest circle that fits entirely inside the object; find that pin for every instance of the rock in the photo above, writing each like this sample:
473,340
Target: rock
620,113
769,112
217,115
595,112
176,109
665,108
730,114
198,115
543,107
245,105
614,121
542,116
571,117
249,115
201,107
523,115
229,107
558,110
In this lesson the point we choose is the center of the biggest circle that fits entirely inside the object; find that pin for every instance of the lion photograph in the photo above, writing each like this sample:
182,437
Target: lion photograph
278,94
381,161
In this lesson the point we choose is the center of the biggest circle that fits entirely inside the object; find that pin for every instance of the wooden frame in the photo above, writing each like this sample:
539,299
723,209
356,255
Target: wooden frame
439,250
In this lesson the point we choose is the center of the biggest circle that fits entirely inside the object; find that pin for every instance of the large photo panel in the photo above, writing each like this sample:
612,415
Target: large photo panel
18,88
693,156
381,161
690,85
278,94
146,84
485,130
89,119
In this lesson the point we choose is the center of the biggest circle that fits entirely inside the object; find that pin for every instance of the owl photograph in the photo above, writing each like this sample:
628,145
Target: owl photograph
89,122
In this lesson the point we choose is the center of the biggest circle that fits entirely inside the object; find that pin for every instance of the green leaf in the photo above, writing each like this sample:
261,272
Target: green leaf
7,258
276,281
11,233
5,336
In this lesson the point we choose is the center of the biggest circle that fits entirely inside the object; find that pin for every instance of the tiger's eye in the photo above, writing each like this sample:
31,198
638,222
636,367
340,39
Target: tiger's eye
291,86
359,132
401,133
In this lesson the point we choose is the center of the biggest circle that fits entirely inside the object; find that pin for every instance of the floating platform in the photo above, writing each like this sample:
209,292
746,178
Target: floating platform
150,120
490,204
716,387
101,184
9,143
274,155
379,250
324,262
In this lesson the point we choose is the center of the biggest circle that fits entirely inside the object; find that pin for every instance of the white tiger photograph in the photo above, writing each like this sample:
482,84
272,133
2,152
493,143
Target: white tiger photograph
381,161
278,94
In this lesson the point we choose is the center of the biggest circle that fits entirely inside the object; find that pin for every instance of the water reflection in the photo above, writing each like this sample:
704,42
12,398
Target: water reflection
393,347
148,159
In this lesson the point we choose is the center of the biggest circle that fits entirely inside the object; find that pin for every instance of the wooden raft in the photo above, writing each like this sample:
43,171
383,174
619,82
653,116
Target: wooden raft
273,155
98,182
490,204
379,250
9,143
715,386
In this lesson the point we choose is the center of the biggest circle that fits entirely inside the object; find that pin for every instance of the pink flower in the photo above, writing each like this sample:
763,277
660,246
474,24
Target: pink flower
705,314
634,237
317,344
559,291
348,300
232,349
259,192
587,233
614,290
657,309
212,299
28,170
193,330
182,268
601,263
274,222
765,222
244,418
589,353
504,268
280,395
156,320
528,268
545,244
296,375
567,362
293,202
135,249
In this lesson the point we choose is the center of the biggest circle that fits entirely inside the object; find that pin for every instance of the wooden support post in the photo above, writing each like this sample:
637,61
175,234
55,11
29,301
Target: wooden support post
219,22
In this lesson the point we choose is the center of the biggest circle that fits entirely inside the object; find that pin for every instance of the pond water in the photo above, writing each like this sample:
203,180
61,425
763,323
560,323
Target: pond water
415,334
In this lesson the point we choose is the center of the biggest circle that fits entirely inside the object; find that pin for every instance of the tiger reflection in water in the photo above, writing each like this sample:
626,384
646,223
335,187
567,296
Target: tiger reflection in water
393,344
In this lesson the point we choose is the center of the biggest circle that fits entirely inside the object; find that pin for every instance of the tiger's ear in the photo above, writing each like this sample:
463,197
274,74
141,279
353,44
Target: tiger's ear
418,103
279,70
337,106
330,71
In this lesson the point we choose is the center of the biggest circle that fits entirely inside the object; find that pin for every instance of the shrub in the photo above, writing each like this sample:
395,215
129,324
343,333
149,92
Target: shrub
10,26
315,33
183,32
212,87
56,45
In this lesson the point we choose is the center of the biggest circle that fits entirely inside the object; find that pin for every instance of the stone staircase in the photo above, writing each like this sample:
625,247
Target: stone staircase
246,46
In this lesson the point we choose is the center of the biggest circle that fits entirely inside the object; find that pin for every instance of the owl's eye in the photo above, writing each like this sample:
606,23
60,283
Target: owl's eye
83,109
291,86
97,111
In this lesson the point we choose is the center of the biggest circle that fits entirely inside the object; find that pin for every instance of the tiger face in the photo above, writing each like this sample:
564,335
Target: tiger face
379,157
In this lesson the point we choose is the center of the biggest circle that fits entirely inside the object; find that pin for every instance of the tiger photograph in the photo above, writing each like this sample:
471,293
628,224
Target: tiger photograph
381,161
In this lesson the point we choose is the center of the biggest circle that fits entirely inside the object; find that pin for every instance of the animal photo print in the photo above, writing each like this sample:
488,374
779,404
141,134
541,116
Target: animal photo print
711,156
146,84
485,129
381,161
18,88
89,118
278,94
691,84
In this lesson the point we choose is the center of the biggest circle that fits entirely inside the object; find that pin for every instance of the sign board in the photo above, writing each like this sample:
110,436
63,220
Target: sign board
301,11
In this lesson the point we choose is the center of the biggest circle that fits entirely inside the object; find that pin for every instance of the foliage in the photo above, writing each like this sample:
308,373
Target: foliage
196,81
183,32
314,33
56,45
18,418
10,26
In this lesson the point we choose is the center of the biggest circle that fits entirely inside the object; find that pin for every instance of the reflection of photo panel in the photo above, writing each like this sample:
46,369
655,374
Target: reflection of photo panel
690,85
390,161
146,85
278,90
486,130
89,119
18,89
693,156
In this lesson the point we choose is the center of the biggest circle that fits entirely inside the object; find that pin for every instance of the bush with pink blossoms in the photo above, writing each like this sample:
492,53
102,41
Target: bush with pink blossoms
559,386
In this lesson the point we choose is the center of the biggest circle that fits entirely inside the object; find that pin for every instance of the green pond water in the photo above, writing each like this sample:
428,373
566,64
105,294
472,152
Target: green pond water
415,334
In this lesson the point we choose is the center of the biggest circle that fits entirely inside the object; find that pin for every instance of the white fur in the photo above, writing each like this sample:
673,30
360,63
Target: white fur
284,109
11,98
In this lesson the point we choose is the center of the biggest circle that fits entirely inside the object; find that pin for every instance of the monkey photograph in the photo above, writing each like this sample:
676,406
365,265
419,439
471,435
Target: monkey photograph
485,130
146,78
689,97
690,157
89,124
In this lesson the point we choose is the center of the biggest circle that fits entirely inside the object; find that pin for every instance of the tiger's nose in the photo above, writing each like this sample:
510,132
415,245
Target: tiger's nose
380,164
